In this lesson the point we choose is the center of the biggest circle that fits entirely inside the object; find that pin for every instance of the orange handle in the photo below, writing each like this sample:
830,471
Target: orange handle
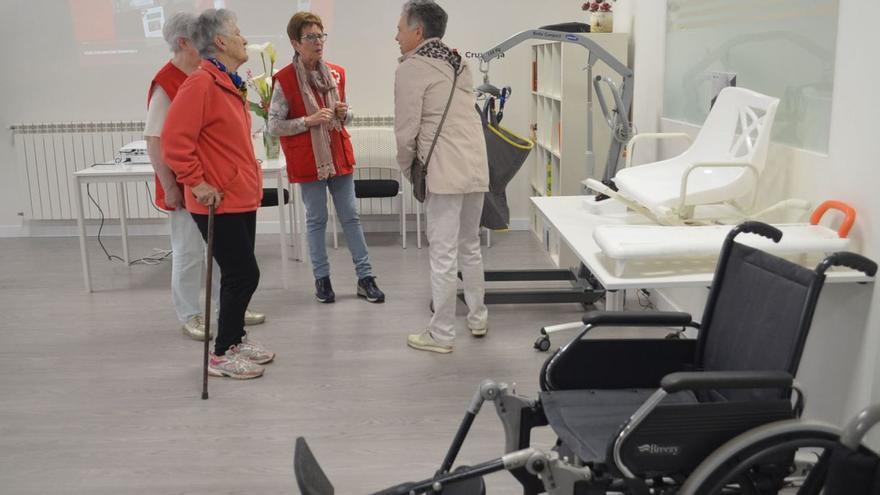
848,211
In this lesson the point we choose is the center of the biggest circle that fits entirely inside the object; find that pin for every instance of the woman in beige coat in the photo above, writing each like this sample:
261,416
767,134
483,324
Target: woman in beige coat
458,171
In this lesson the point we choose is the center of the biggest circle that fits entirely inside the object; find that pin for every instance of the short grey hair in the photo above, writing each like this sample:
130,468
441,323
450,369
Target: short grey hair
180,26
428,14
209,25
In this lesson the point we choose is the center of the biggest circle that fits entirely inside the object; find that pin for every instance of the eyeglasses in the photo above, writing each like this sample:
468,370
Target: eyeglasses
315,37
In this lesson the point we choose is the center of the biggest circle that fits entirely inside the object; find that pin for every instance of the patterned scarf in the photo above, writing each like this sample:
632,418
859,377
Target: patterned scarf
435,48
322,81
237,81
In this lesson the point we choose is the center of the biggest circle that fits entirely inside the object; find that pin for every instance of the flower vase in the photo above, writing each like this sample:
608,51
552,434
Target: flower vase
272,145
601,22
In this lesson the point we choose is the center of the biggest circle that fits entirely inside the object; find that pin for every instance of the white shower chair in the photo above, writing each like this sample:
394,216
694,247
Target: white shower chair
723,166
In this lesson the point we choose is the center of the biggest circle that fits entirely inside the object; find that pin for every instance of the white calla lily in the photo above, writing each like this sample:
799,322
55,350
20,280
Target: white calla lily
259,47
270,50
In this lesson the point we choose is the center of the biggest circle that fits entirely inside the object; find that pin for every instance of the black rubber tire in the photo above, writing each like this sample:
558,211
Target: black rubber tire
543,343
746,458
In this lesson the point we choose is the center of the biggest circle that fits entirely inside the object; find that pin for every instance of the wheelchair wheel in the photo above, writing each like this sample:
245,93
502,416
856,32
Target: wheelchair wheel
761,461
543,343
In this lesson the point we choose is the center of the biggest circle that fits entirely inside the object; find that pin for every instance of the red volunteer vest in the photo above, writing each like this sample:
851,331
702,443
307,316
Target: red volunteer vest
298,150
169,78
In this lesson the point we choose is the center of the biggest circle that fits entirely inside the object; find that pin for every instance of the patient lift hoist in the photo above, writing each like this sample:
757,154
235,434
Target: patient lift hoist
585,290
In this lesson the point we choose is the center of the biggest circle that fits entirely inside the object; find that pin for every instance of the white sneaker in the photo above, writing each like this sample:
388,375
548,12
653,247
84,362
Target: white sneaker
425,342
253,318
194,328
479,332
234,365
254,352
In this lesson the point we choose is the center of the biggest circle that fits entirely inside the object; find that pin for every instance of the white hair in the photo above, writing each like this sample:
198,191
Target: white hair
180,26
209,25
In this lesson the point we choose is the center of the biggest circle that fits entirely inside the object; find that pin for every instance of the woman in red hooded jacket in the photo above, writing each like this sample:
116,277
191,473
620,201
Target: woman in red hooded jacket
206,142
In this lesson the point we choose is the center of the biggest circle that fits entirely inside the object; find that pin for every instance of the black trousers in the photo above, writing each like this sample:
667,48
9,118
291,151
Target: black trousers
234,235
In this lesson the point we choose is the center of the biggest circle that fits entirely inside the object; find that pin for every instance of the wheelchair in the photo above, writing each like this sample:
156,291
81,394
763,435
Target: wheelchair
637,416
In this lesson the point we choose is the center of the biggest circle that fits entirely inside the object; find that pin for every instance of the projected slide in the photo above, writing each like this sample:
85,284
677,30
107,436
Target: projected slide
127,31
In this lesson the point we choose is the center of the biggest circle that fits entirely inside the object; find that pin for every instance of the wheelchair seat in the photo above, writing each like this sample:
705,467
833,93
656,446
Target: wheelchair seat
584,420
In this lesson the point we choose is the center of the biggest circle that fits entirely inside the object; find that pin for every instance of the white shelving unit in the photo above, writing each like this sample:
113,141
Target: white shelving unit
559,109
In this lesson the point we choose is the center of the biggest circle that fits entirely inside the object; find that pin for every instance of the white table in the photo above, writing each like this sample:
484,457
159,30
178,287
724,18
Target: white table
112,173
839,324
575,225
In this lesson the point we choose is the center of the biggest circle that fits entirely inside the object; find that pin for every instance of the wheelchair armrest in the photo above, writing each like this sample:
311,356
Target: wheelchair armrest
616,363
641,318
702,380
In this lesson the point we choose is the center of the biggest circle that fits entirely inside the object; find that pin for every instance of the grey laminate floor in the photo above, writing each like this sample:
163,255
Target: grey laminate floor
100,392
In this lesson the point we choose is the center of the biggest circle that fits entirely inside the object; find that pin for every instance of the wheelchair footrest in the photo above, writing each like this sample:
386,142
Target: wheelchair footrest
309,475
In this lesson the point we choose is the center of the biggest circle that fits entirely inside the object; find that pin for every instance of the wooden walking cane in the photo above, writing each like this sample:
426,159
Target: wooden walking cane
209,276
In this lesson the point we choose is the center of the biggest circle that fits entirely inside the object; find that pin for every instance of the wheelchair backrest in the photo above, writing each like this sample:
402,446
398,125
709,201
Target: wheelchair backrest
757,316
737,128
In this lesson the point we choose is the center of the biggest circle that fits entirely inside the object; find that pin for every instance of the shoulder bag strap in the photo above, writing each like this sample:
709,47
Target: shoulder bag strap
442,119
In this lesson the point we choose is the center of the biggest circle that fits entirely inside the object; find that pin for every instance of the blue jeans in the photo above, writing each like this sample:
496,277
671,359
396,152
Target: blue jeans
315,198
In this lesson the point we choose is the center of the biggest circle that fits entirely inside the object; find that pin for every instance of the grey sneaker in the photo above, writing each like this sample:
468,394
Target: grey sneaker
233,364
194,328
254,352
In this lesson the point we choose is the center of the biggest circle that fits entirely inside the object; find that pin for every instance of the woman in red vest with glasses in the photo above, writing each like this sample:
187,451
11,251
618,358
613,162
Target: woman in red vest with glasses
308,111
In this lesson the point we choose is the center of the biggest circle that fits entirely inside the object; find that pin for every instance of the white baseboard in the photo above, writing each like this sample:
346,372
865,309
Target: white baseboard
663,301
68,228
519,224
155,227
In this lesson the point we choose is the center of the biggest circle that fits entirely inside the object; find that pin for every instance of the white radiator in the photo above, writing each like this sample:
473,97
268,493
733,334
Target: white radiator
48,153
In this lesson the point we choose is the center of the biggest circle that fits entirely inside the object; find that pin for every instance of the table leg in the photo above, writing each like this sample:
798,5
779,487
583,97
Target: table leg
282,232
614,300
123,219
81,227
291,221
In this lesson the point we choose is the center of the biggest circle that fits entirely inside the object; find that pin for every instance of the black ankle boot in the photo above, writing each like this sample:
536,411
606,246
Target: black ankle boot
324,291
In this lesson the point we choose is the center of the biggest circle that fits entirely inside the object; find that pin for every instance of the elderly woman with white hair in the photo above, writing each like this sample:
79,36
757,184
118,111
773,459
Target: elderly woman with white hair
458,168
206,142
187,262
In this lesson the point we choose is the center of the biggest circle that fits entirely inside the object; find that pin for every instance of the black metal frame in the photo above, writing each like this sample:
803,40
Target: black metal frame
584,290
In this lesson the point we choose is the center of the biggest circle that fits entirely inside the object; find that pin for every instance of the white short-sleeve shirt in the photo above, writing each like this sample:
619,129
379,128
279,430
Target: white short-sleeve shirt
157,110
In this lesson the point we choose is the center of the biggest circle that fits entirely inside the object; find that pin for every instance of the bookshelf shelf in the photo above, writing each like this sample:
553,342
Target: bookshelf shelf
561,161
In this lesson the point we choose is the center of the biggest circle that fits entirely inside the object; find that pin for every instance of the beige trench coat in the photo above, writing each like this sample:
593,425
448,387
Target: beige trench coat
421,89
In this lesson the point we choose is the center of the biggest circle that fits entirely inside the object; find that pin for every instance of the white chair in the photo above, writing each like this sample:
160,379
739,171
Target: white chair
377,177
723,165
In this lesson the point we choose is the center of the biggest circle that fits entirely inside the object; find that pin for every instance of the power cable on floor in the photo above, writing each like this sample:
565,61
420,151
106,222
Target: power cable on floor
155,259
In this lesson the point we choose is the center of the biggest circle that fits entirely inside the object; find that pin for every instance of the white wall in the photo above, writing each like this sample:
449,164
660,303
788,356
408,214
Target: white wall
47,82
847,324
853,171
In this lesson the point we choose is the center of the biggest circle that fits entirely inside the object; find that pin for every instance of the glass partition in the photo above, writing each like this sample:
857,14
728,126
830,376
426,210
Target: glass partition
782,48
